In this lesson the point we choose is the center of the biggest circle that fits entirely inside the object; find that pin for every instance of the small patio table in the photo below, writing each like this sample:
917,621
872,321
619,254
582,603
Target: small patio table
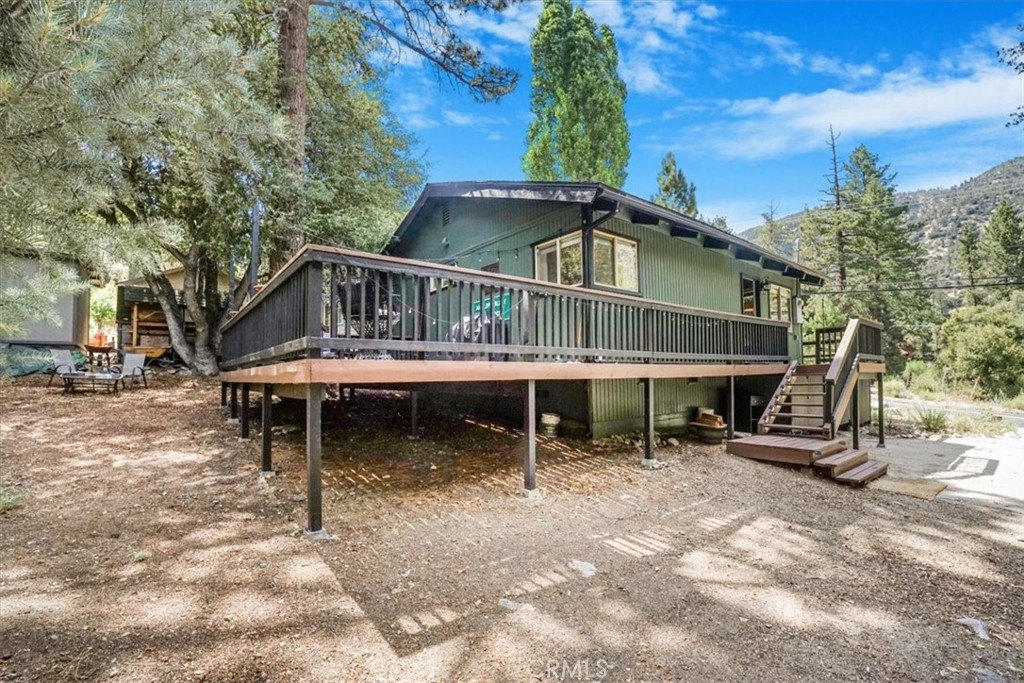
107,379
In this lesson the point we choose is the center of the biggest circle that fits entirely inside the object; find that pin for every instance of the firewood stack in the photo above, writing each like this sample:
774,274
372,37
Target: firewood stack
710,420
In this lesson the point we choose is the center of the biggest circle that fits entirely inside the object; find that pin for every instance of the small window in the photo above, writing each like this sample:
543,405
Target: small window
750,302
561,261
779,300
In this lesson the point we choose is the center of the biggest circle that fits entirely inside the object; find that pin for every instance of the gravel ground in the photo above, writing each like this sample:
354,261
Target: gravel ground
147,548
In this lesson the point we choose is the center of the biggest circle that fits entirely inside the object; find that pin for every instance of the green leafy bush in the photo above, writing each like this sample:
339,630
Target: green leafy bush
986,344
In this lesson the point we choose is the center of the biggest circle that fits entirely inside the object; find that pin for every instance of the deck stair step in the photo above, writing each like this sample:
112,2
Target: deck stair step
781,448
790,428
793,392
844,461
862,474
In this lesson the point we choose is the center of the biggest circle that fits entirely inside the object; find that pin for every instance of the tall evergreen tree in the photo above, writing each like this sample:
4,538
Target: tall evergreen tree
1003,247
579,130
772,235
426,28
862,241
970,262
674,192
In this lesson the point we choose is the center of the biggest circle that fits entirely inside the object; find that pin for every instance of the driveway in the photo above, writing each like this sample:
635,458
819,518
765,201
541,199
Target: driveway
979,470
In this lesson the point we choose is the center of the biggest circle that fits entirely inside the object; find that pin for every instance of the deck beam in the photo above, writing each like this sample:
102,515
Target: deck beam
334,371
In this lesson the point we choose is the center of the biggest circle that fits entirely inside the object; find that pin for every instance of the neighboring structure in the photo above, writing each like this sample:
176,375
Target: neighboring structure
72,308
141,323
573,296
591,236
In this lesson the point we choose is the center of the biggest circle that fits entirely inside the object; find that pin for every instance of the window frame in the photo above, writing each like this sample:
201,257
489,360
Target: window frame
785,314
756,295
577,237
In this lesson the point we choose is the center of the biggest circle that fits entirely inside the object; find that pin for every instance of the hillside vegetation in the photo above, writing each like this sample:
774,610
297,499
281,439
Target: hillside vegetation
941,213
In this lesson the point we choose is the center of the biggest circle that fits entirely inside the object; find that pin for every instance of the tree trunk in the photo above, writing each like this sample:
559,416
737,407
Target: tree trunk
293,37
165,294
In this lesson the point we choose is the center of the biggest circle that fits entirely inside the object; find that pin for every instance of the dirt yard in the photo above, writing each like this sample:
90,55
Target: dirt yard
146,547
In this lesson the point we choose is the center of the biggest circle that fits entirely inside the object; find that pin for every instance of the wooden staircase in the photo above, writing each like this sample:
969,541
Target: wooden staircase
799,423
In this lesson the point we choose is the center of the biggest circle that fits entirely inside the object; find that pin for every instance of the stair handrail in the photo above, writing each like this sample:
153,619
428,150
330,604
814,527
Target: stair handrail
766,415
840,370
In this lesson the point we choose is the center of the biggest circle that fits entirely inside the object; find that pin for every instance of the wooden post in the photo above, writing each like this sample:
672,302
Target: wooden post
730,431
530,431
266,466
234,402
648,384
314,507
881,412
245,412
223,396
414,413
314,311
855,413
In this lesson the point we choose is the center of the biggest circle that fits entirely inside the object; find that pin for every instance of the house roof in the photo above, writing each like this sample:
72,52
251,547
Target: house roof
601,197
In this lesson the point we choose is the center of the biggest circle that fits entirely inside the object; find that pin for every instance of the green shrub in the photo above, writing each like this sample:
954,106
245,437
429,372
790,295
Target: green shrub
986,344
934,421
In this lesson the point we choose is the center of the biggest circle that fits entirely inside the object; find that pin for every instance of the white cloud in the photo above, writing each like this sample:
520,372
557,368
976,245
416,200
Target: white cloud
641,76
464,119
514,25
903,101
785,51
666,15
708,12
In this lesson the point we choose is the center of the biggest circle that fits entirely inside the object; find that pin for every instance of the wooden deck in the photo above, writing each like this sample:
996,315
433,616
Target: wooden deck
830,457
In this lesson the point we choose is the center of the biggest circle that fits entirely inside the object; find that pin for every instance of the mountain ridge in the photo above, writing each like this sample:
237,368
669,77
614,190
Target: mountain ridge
941,214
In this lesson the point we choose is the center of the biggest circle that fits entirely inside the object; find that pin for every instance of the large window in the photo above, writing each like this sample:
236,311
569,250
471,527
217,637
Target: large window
779,298
615,261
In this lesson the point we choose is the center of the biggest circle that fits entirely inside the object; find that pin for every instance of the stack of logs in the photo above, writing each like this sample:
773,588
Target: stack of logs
710,419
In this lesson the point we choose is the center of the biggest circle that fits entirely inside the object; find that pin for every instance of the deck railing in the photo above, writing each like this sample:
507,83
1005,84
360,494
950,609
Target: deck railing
335,303
861,341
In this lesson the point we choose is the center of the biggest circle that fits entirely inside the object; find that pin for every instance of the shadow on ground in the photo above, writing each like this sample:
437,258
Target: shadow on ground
148,548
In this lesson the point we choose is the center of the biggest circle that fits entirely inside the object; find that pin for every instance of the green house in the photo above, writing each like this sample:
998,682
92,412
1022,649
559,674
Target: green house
592,236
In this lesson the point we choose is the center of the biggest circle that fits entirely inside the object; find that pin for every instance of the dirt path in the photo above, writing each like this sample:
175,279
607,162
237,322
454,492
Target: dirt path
147,548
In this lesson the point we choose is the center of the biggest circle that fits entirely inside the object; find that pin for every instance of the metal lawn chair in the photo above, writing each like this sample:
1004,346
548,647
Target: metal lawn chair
133,368
63,363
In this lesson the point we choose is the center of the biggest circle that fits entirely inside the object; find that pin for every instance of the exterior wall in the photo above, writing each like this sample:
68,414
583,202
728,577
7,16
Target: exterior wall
617,405
72,309
481,232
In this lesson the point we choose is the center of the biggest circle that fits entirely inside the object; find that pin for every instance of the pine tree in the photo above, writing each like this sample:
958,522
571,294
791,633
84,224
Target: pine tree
771,234
579,130
1003,248
1014,58
863,243
970,262
674,192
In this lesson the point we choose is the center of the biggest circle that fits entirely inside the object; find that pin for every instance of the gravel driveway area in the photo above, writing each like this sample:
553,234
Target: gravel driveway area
147,548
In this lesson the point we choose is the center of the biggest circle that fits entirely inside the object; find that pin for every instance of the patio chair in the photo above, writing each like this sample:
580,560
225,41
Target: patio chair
133,368
63,363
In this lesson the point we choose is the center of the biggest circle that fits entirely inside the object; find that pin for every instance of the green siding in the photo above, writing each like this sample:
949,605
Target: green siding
482,231
617,405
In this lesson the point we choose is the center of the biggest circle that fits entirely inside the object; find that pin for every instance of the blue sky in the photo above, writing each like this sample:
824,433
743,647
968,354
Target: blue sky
743,94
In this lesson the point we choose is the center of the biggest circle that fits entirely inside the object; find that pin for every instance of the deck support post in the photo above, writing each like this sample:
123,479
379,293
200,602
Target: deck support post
233,414
648,384
730,424
881,412
223,396
530,433
245,412
855,413
414,413
266,466
314,508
